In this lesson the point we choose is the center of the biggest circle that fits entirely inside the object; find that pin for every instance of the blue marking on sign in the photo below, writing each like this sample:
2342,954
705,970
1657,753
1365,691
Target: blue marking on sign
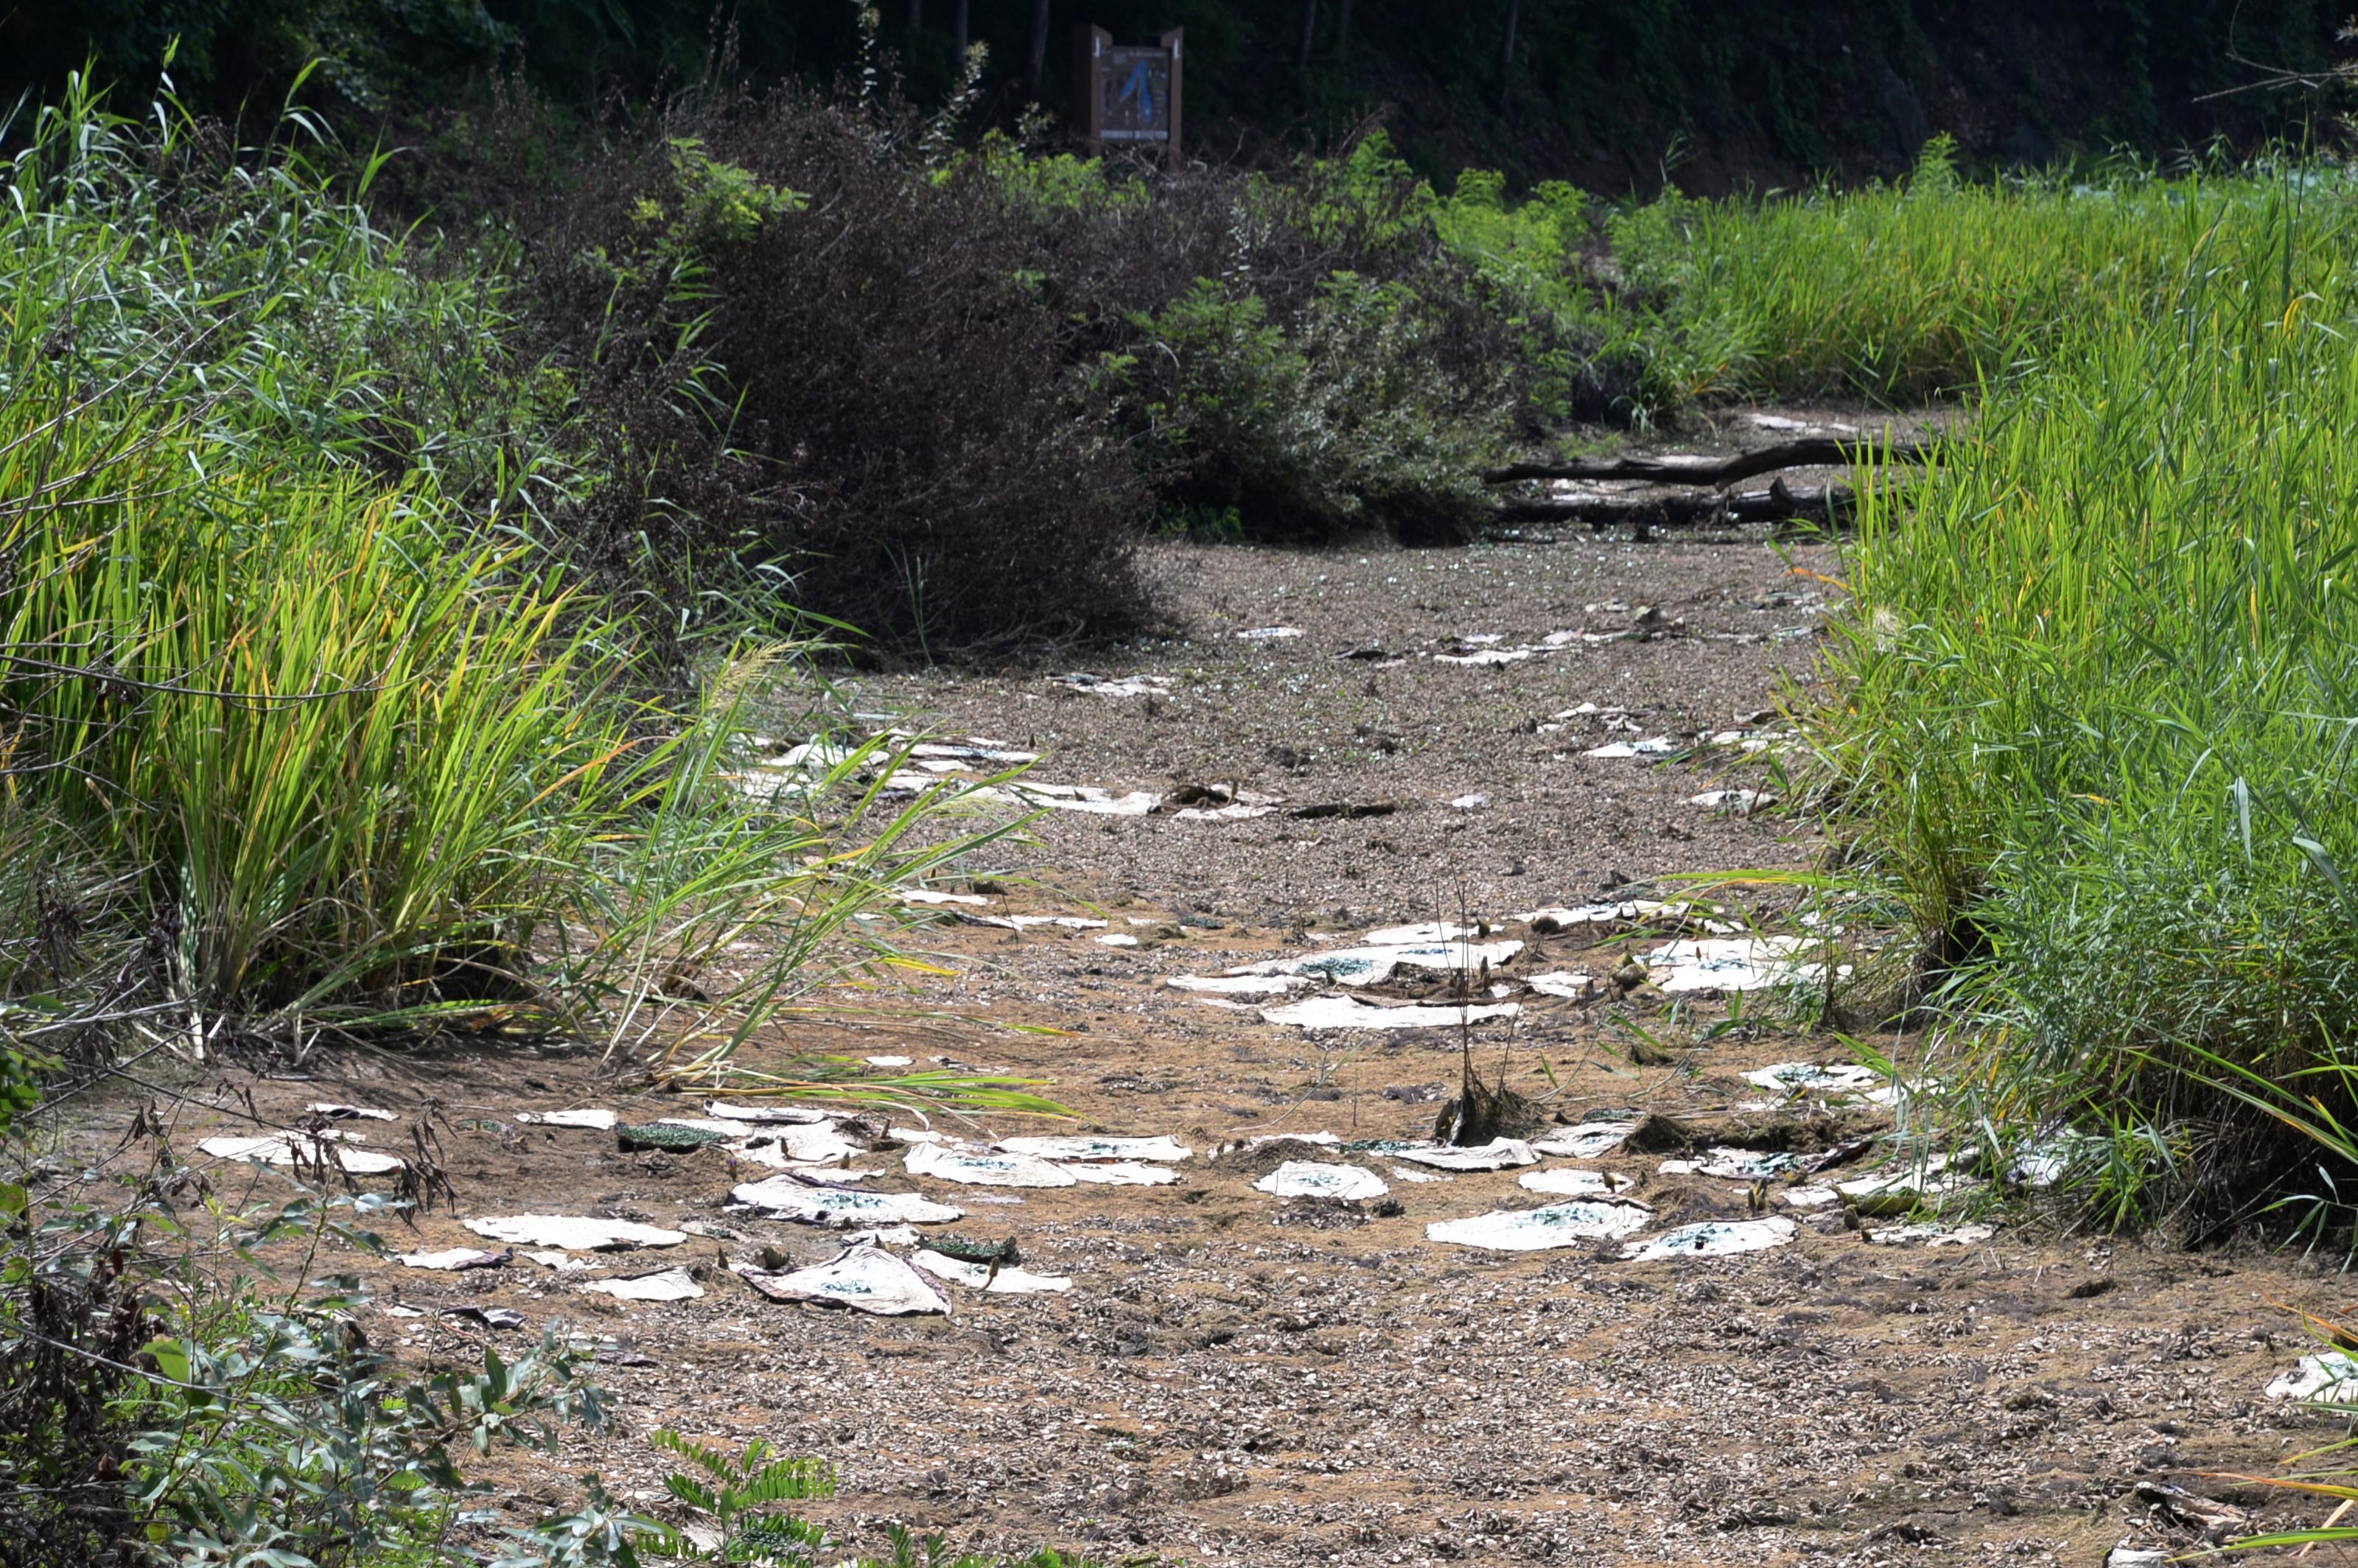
1142,87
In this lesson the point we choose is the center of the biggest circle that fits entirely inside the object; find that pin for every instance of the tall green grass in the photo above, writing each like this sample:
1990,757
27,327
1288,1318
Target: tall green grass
1930,287
300,733
2095,711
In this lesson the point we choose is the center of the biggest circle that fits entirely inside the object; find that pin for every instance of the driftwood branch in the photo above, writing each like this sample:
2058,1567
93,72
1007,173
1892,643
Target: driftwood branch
1818,452
1832,505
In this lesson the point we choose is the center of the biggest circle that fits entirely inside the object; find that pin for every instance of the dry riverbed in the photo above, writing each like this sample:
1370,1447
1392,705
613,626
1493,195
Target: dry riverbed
1235,1377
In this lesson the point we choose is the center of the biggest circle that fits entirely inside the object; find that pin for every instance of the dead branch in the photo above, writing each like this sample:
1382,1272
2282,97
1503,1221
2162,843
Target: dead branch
1832,505
1816,451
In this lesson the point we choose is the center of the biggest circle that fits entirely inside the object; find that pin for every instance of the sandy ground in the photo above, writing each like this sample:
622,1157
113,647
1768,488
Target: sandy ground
1237,1379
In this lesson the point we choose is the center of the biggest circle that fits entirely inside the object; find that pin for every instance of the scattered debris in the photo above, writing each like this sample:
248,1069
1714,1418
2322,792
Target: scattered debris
865,1277
1000,1280
1659,746
1732,964
1269,633
1732,1165
1350,1012
1348,810
1714,1238
1817,1078
1026,921
1497,1154
1122,1174
890,1060
1573,985
1548,921
662,1285
455,1259
927,895
1811,1198
1538,1230
349,1112
1733,802
563,1263
574,1233
2213,1518
1125,686
977,1168
807,1115
1310,1179
1375,964
1119,939
788,1198
302,1148
1900,1191
1474,802
1168,1150
1424,935
1589,1141
1572,1182
588,1120
2330,1377
1931,1235
490,1317
677,1136
1238,985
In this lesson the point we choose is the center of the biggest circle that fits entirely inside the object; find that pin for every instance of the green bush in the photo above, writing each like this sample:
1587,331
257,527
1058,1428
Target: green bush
1346,423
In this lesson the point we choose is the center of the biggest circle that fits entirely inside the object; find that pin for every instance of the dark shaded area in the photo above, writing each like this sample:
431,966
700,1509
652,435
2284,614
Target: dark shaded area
1728,94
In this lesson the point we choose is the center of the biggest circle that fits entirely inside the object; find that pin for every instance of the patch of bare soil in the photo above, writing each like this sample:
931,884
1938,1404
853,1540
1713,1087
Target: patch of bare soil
1236,1378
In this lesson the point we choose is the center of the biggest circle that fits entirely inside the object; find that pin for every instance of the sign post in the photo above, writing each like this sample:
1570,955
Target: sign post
1128,94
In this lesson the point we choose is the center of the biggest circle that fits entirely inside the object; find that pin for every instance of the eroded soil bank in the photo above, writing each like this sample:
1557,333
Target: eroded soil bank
1239,1378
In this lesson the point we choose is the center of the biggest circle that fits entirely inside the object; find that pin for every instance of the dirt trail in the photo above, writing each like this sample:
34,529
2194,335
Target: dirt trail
1237,1379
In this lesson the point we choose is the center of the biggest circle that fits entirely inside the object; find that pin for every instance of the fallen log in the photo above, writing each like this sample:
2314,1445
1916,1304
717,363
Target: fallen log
1832,505
1817,451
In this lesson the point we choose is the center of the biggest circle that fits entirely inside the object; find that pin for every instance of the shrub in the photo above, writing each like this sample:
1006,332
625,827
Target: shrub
881,411
1346,423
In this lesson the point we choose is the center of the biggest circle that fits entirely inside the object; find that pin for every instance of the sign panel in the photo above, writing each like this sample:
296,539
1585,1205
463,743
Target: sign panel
1128,94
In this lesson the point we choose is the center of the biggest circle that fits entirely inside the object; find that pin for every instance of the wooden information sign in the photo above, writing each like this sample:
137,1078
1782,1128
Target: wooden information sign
1128,94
